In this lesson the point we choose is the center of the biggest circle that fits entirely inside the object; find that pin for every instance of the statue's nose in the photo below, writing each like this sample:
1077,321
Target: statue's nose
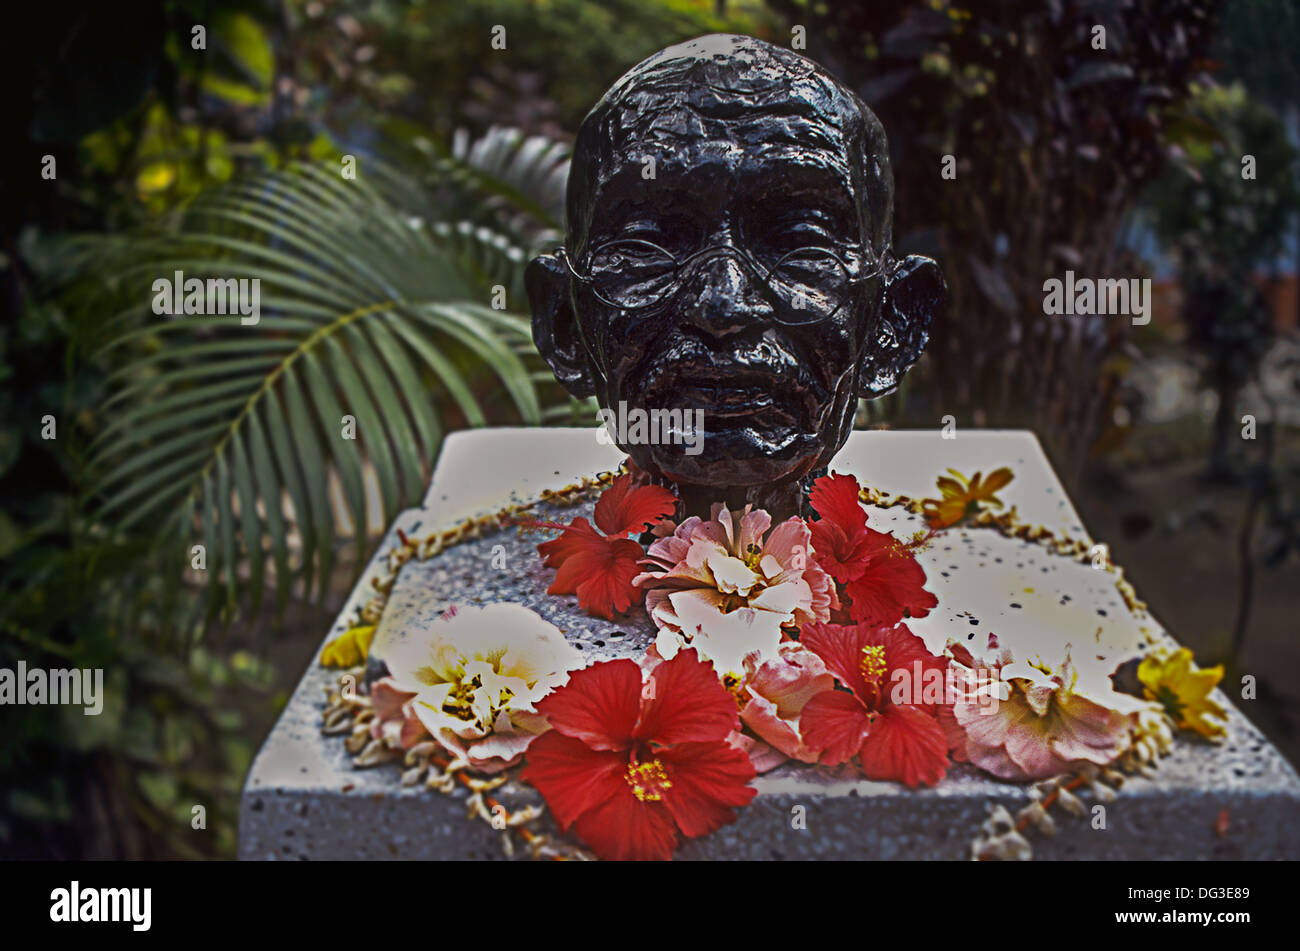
723,297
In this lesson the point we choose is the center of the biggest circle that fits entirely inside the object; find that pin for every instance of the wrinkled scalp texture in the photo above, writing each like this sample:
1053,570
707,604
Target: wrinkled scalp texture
738,80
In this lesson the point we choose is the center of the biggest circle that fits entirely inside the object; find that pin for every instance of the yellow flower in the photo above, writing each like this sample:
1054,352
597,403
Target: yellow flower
962,498
350,648
1174,681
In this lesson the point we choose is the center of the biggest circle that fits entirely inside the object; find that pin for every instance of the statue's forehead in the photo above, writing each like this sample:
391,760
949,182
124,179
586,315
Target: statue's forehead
729,65
723,117
684,132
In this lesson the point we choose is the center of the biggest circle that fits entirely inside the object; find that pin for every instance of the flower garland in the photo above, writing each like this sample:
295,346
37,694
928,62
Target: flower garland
775,643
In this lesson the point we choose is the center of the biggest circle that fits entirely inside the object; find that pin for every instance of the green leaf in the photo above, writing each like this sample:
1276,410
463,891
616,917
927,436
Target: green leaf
250,525
269,491
233,431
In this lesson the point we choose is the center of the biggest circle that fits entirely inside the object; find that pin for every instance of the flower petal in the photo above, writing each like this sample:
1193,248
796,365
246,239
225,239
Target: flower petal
762,756
760,715
624,508
909,664
573,778
789,680
835,498
790,542
387,699
749,538
427,707
835,723
731,575
687,703
579,537
623,828
783,598
891,588
724,638
598,706
708,781
413,731
499,750
609,580
840,648
906,745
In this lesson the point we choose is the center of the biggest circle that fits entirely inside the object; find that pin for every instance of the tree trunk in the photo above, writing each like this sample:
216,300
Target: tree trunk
1224,425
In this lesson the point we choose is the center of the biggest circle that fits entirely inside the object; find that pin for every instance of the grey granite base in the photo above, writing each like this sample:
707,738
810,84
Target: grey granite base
303,799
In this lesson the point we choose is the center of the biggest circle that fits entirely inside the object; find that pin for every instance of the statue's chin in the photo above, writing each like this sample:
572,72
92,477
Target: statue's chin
731,458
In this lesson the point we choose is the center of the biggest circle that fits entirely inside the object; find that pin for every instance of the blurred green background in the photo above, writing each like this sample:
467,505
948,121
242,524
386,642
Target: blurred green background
147,146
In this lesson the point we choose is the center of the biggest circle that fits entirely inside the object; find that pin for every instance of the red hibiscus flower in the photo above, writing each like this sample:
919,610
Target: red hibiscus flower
880,580
880,666
630,765
599,568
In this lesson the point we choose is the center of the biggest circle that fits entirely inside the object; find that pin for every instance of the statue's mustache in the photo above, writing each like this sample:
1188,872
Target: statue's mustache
764,362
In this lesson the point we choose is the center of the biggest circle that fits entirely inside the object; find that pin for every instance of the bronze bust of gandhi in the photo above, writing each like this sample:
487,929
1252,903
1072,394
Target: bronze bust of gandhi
728,254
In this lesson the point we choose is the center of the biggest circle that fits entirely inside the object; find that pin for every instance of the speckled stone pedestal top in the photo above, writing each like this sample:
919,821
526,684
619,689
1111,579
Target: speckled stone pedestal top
303,799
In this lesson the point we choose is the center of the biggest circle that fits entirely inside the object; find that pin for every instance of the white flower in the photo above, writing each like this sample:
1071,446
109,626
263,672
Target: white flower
478,671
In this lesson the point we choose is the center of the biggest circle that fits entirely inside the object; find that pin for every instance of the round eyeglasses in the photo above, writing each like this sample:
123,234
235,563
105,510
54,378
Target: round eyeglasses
811,284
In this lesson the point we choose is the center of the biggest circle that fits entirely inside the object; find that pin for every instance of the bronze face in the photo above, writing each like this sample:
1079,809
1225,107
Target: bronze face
728,252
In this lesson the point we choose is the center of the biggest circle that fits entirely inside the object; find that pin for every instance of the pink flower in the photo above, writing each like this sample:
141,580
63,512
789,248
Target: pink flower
1042,723
727,587
775,692
395,721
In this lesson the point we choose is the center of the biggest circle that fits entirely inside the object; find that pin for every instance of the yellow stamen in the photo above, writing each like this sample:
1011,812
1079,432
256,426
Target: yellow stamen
648,780
733,683
873,665
459,702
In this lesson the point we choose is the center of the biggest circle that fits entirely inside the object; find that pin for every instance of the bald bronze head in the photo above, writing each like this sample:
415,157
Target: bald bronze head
728,254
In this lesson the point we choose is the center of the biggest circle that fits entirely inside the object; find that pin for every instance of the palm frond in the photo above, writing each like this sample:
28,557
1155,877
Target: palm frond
227,433
505,180
530,171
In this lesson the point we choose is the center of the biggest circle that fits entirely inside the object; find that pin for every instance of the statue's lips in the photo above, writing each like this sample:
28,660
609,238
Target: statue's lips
730,392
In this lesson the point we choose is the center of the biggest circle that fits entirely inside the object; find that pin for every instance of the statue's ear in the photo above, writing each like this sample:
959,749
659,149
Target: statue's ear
912,294
555,329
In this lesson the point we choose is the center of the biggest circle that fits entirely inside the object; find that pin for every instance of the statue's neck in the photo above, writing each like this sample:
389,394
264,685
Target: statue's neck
781,500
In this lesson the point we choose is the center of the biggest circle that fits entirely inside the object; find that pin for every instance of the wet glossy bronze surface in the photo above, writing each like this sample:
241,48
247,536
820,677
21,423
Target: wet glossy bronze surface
728,252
